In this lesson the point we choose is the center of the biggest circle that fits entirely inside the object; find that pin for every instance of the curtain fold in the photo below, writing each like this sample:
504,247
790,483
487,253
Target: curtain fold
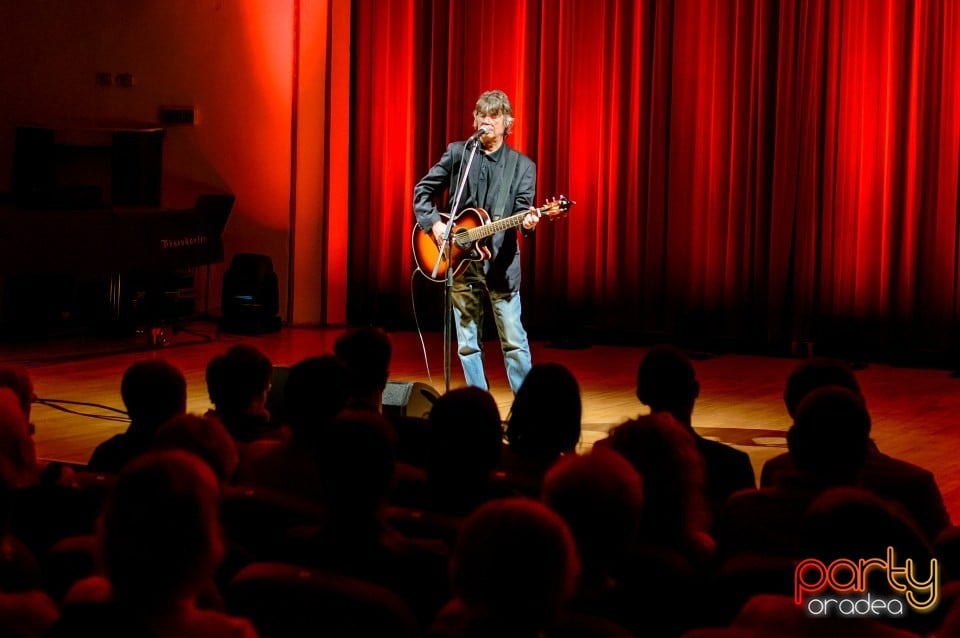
755,172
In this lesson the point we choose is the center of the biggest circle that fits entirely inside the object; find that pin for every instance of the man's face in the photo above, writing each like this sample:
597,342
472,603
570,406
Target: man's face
493,122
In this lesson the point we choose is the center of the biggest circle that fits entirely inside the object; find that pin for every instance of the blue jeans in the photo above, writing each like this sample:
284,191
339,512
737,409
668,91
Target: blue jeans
468,292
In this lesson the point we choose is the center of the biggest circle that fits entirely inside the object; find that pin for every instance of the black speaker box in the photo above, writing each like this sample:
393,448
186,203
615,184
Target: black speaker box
408,399
251,298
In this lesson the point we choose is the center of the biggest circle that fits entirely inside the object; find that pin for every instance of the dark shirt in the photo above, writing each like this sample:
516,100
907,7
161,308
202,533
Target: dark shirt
118,450
484,174
728,470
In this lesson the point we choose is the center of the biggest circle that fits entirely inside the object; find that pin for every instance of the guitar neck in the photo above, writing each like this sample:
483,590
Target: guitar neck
482,232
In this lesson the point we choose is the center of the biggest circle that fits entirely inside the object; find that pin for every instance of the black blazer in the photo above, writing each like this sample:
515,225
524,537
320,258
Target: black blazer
503,269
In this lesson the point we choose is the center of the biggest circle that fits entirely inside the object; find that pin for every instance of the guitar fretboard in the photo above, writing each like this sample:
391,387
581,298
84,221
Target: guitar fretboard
481,232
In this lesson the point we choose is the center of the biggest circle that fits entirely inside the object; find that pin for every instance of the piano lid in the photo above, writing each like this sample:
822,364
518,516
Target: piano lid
109,241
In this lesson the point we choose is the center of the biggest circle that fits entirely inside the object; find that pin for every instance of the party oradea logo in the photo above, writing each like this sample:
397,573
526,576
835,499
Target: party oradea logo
857,588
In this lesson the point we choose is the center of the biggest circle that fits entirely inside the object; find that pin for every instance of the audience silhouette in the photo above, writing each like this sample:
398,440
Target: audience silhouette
502,529
514,569
464,443
153,391
17,378
544,423
666,382
159,544
315,391
238,382
17,450
675,512
913,487
25,609
365,353
355,468
206,437
828,444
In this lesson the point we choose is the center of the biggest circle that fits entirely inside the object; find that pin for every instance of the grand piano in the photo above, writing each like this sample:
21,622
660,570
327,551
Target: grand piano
87,218
103,266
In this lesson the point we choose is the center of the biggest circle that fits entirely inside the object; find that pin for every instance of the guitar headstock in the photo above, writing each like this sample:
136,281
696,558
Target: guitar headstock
556,207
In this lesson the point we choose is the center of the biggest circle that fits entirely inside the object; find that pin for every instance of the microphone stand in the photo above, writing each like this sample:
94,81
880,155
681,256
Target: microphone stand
446,253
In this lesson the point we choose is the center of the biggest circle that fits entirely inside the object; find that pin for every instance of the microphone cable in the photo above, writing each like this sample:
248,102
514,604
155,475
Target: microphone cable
59,404
416,321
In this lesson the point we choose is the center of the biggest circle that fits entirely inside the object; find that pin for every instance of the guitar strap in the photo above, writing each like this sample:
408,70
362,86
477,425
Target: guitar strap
505,183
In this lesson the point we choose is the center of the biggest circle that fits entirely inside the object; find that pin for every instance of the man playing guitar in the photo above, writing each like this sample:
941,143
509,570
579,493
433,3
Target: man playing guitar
502,181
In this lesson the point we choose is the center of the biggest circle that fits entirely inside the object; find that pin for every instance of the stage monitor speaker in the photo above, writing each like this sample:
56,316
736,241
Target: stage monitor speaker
408,399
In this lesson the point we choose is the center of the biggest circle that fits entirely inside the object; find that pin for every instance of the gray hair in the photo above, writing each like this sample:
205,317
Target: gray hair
494,103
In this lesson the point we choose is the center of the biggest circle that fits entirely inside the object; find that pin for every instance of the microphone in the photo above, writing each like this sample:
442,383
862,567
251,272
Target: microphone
483,130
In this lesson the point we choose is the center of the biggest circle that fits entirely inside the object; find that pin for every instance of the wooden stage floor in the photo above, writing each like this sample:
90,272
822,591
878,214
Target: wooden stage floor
914,411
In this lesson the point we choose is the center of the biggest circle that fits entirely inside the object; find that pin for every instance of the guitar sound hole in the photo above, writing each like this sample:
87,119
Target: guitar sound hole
462,240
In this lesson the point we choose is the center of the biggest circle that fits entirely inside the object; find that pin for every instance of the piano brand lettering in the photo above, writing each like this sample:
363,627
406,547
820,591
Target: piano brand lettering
918,591
189,241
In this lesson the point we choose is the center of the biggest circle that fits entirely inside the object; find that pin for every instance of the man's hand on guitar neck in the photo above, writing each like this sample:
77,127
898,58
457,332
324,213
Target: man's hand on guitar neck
532,219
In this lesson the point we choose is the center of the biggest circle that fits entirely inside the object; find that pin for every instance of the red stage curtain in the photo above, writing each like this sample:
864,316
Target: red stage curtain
752,171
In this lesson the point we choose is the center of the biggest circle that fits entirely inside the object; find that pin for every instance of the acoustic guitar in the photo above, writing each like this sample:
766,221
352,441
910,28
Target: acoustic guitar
470,237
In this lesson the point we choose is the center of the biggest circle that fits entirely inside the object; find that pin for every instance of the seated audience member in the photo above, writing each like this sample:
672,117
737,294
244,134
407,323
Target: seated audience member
600,496
667,382
912,486
365,353
45,506
804,379
828,444
315,391
206,437
355,468
464,441
514,570
675,512
17,451
159,544
18,379
153,392
543,424
25,610
238,382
